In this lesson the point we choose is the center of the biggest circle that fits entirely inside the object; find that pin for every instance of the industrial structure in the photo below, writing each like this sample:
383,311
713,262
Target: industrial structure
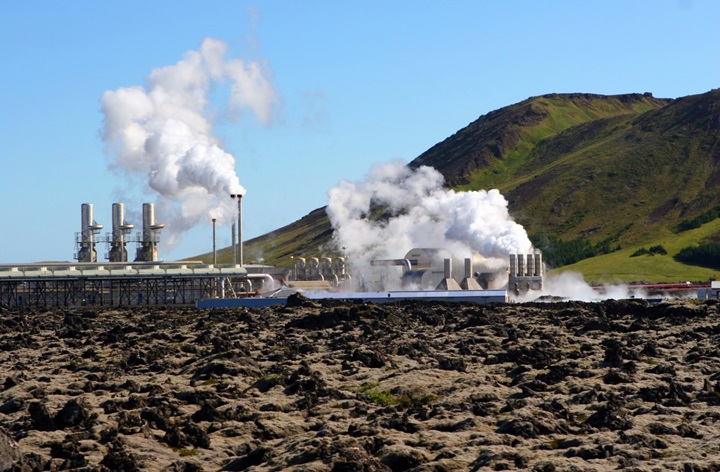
111,284
87,236
150,237
526,273
426,269
118,282
118,237
425,273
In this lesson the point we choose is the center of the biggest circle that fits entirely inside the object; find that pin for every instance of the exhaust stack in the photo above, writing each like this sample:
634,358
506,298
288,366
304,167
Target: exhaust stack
120,229
86,237
149,238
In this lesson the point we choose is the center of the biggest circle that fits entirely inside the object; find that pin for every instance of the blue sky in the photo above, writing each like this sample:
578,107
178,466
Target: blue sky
357,83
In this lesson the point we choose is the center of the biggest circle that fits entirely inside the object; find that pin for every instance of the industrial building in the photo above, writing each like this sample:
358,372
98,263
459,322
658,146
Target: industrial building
427,273
119,282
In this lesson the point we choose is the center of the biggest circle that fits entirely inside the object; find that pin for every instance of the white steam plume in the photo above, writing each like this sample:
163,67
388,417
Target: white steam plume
418,212
162,133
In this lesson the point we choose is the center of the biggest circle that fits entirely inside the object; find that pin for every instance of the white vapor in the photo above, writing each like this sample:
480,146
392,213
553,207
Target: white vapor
418,212
163,133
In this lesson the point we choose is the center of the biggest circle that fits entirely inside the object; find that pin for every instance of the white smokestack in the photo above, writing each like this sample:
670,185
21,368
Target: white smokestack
162,132
418,212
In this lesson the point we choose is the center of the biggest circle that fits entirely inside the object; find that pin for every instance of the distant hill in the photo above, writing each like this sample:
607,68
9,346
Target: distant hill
612,172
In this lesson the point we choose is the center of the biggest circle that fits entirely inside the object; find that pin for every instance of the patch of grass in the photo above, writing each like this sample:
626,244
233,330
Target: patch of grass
185,452
381,397
404,398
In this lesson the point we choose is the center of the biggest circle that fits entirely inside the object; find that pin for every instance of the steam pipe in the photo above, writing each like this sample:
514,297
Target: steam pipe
214,246
239,256
240,241
407,263
234,246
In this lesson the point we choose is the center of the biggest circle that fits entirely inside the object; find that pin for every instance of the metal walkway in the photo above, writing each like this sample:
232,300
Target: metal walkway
111,284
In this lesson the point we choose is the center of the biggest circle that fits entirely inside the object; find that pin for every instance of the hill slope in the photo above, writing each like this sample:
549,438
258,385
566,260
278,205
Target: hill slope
622,169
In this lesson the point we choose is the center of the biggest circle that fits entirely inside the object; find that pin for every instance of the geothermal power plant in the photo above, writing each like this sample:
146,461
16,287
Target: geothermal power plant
144,279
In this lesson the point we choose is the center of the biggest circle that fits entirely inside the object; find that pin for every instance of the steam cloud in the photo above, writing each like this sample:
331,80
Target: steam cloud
418,212
162,133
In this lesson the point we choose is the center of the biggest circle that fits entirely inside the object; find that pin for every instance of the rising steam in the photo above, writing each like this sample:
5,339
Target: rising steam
163,133
415,210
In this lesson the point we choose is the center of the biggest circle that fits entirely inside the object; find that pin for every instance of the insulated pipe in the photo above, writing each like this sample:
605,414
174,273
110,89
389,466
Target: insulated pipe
268,281
406,263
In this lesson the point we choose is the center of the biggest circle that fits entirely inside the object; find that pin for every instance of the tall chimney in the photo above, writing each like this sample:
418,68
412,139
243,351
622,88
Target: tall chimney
120,228
86,240
239,248
147,250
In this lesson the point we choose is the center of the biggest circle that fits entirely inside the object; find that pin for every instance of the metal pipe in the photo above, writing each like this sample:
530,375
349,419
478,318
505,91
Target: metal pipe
215,281
240,241
214,246
234,247
239,250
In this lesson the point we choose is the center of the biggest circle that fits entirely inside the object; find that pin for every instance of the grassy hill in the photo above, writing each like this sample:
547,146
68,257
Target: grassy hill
616,170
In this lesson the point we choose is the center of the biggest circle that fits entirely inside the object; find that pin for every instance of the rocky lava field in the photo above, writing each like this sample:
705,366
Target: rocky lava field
614,385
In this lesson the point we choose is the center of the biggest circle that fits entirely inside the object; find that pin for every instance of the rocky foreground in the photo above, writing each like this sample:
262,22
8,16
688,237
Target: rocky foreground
334,386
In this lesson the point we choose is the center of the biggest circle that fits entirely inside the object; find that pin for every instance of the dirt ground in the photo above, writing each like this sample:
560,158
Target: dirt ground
614,385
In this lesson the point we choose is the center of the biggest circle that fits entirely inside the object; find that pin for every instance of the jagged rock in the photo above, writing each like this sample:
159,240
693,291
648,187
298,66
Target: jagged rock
74,413
117,458
338,386
372,359
402,458
9,452
257,456
40,417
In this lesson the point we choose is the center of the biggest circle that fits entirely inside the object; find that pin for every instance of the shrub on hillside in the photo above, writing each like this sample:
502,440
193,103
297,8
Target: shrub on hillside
703,255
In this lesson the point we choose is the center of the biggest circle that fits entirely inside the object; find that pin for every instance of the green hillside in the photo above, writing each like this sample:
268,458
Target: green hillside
615,171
